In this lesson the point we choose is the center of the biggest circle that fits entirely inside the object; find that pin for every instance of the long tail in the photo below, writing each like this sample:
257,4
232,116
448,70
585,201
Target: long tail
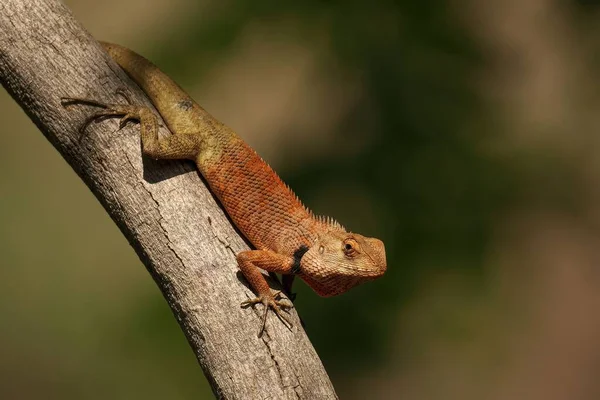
179,111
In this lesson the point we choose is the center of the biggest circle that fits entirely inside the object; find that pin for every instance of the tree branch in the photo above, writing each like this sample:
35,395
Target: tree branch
163,208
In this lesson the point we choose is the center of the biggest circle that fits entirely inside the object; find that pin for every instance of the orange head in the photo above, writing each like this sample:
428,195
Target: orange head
339,260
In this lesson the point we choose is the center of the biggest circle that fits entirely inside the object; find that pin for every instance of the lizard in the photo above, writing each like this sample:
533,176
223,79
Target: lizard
287,237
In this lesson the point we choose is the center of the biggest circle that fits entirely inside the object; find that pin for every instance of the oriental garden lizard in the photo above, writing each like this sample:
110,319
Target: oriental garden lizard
287,237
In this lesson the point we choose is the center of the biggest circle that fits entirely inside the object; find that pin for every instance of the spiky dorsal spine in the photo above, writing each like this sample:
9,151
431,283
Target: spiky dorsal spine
328,221
332,223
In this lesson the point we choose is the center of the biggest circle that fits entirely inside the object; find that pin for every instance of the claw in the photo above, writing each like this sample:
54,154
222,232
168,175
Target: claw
123,94
125,119
108,110
98,117
269,301
68,101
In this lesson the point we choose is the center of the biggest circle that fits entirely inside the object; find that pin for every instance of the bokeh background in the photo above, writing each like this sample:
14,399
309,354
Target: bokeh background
464,133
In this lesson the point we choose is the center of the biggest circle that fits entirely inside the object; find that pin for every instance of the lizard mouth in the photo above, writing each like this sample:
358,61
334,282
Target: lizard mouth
367,272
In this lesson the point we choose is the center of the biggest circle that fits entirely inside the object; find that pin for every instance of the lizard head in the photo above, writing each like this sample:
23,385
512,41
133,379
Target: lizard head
340,260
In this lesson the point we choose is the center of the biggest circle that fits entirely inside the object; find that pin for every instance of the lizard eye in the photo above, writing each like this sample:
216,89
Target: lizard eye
350,247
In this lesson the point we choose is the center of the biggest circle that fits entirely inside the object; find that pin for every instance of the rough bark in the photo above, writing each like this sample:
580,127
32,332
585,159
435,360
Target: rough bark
163,208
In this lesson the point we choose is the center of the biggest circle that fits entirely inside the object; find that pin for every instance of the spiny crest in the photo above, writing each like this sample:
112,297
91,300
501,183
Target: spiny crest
320,218
330,222
297,198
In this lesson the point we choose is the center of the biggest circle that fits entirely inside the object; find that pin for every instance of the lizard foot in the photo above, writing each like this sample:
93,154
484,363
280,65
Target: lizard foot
127,112
269,301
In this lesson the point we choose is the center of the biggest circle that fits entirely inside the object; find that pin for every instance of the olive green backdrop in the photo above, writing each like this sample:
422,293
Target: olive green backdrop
466,135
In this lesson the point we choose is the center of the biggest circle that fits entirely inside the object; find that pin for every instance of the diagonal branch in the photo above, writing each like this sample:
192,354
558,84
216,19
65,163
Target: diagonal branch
163,208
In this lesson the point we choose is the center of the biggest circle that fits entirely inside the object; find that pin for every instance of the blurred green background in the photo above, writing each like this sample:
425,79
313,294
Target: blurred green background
465,134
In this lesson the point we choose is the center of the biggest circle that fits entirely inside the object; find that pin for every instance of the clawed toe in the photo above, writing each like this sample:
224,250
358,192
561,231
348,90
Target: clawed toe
269,302
69,101
251,301
126,112
284,318
125,119
280,303
121,92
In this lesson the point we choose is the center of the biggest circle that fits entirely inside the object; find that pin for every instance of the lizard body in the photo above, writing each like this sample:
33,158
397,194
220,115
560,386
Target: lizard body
288,238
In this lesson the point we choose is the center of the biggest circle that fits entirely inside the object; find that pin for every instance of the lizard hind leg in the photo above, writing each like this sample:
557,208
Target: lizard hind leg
182,146
127,112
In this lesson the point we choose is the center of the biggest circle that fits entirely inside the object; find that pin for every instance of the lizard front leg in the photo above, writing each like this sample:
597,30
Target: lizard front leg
249,263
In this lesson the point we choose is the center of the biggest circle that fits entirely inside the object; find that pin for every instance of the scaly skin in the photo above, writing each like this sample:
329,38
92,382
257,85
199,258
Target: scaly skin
289,239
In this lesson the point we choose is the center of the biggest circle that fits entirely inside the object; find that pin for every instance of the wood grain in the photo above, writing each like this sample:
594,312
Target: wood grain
163,208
